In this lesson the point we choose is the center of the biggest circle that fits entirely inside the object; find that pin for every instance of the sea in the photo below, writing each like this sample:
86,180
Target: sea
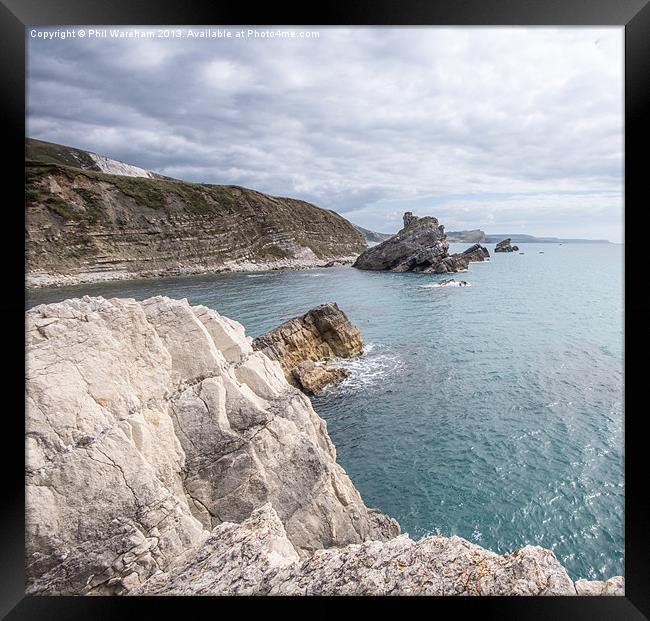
492,411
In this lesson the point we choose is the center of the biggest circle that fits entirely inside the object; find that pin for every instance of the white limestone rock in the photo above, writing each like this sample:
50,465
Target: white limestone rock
613,586
148,424
104,499
229,336
257,558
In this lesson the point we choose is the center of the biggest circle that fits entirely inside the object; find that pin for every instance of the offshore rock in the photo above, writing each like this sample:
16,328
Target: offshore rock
322,334
148,424
421,246
450,282
504,246
256,558
459,262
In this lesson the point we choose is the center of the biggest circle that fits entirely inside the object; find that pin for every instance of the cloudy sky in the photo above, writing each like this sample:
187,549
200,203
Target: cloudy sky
505,129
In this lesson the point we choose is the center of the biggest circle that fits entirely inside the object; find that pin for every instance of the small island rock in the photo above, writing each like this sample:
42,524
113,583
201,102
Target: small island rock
312,377
420,246
504,246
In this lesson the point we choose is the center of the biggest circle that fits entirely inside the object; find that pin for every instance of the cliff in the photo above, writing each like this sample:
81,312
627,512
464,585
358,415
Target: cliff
84,225
165,455
420,246
148,425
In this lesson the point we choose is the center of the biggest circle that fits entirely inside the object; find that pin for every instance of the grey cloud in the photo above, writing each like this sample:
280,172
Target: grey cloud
356,120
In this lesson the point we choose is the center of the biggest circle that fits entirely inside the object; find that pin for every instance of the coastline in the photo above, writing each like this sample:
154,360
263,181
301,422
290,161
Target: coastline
38,280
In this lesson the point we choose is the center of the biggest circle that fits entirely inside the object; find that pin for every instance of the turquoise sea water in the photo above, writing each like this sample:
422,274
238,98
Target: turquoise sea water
493,411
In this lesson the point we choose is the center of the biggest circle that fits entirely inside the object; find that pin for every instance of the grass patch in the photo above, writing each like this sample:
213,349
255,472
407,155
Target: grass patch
61,208
143,191
51,153
92,203
32,196
197,198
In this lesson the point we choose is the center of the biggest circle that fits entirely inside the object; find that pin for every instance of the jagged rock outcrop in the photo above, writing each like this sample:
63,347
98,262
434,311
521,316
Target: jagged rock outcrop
421,246
85,225
256,558
148,424
321,334
504,246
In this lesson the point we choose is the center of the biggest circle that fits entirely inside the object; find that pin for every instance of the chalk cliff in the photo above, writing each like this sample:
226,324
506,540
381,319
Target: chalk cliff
165,455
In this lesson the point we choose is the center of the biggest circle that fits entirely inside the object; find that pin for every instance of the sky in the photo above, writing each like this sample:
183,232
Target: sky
511,130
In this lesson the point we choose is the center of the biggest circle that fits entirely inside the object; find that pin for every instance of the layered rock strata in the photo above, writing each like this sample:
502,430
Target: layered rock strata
420,246
320,335
148,425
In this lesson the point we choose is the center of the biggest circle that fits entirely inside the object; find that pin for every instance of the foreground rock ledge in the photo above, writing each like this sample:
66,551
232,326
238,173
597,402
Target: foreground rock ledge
256,558
421,246
321,334
166,456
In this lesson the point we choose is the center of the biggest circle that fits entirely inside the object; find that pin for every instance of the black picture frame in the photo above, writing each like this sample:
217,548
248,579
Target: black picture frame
634,15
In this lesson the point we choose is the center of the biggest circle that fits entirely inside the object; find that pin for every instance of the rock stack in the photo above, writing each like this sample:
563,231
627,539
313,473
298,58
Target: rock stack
421,246
504,246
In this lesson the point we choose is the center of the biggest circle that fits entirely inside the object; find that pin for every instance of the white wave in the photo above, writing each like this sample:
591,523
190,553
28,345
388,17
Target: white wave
371,368
445,284
255,275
